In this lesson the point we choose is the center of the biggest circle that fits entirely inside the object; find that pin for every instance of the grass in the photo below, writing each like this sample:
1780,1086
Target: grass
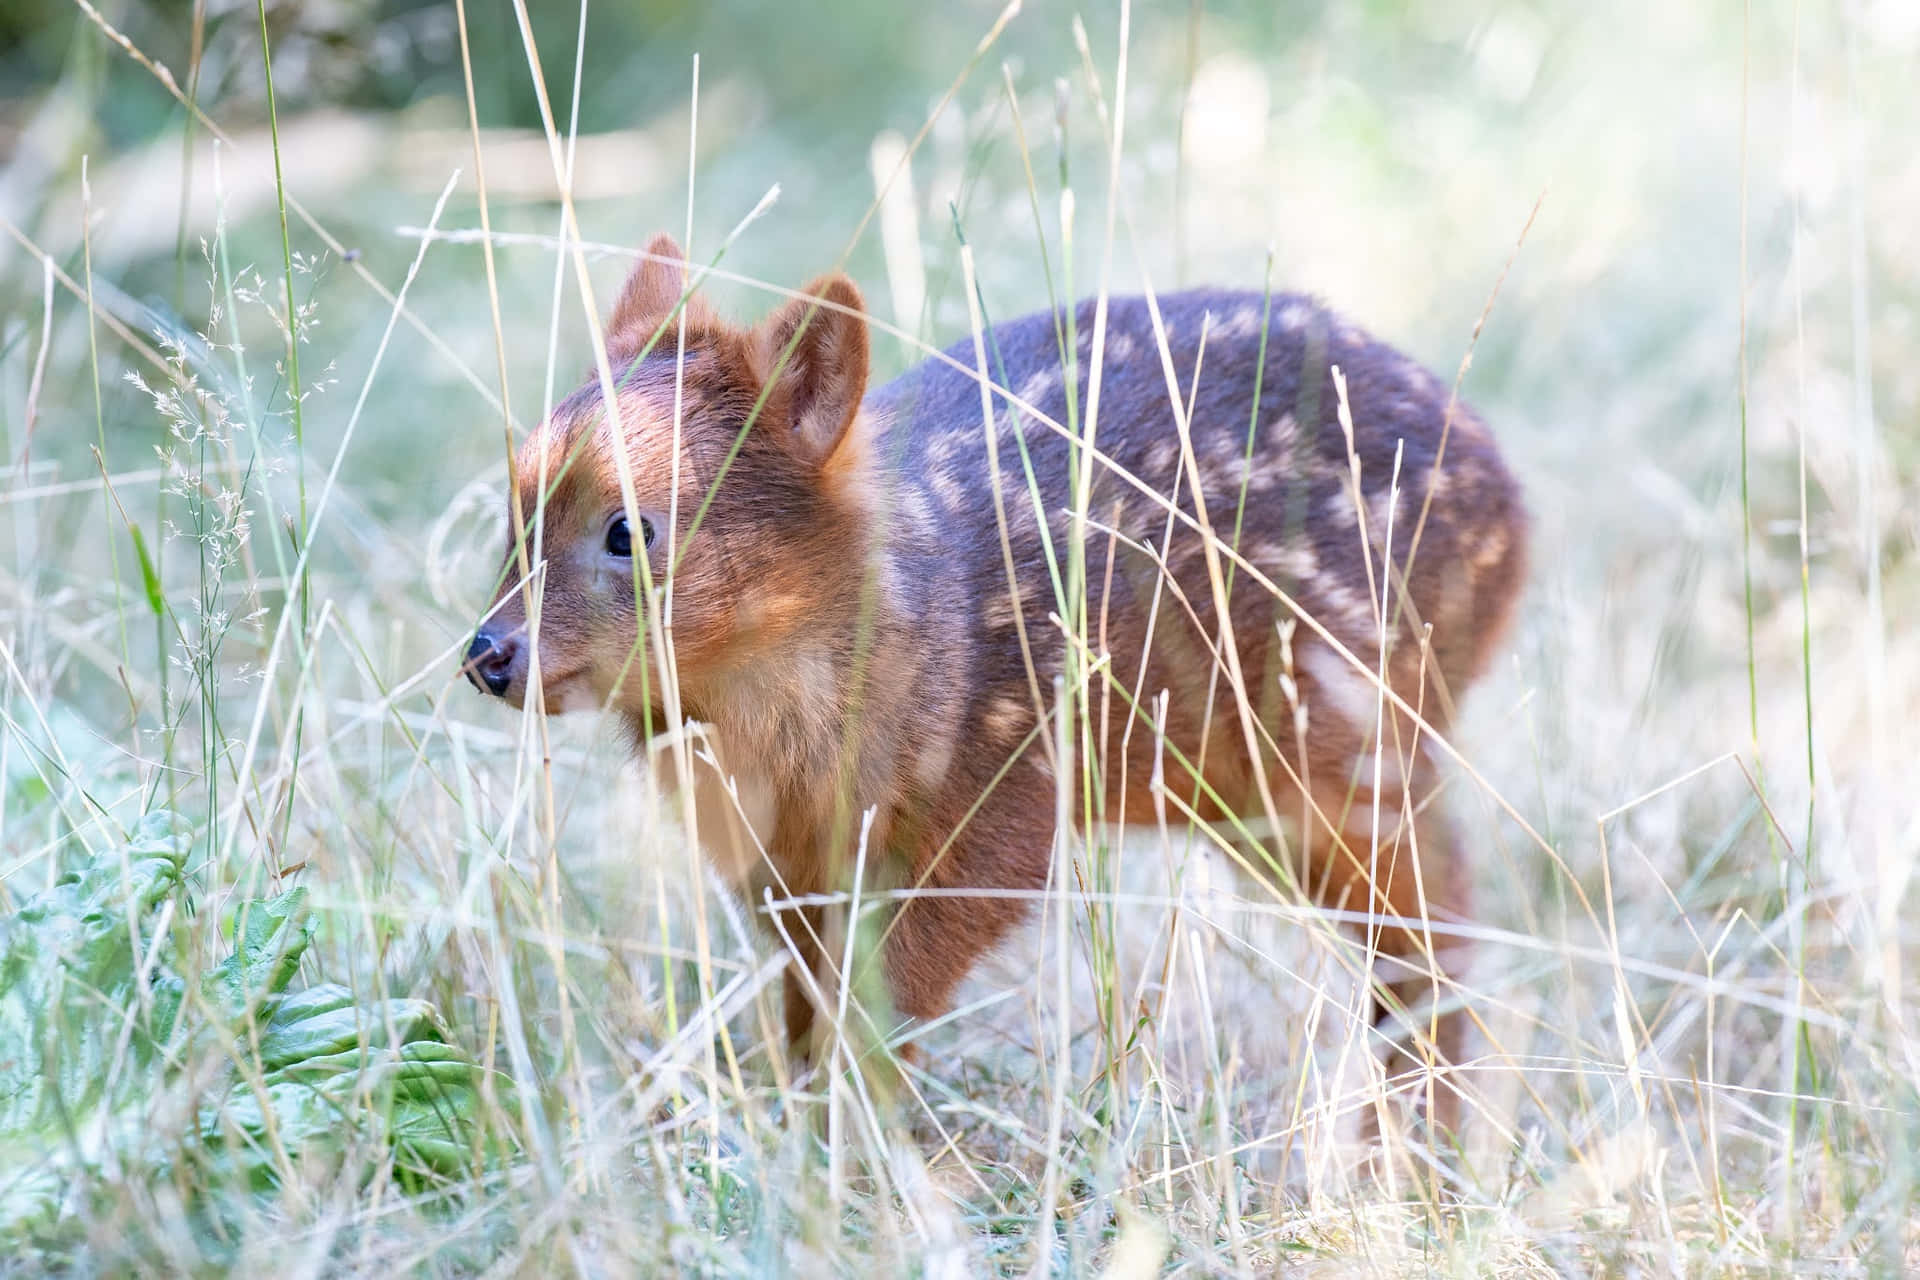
1689,784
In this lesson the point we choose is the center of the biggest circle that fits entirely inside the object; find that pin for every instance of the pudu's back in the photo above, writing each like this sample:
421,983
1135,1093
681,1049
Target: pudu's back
1278,487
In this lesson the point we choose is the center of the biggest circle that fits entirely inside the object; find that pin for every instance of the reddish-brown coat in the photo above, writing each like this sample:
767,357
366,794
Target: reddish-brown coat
844,621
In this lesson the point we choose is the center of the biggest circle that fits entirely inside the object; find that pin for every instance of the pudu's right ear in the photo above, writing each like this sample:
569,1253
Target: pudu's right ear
816,345
652,291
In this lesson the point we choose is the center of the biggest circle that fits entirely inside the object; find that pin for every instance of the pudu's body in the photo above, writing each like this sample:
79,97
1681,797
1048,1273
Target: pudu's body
866,625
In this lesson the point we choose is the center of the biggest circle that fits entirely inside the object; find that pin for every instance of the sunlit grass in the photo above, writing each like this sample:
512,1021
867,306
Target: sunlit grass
1694,1049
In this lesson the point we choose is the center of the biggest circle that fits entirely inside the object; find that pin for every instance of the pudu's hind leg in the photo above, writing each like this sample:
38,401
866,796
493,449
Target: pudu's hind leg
1401,864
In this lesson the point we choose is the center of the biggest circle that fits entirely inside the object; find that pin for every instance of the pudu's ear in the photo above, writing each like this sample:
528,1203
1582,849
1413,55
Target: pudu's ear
651,292
822,336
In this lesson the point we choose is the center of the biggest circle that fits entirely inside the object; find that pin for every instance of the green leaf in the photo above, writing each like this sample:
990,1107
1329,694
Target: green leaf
336,1081
156,598
268,940
67,964
313,1033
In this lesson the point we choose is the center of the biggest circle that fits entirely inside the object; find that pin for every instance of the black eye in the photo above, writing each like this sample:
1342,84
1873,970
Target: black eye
620,537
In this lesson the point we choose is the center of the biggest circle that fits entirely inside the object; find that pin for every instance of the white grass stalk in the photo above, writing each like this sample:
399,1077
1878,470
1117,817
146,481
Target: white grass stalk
1060,902
843,1054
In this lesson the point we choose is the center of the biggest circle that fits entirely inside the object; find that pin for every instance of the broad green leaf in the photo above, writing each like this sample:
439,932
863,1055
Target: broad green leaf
67,976
268,940
320,1075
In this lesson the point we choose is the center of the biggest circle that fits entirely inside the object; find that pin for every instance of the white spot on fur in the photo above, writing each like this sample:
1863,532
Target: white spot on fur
1263,479
1341,609
1036,388
1163,456
1378,507
952,494
1224,474
1226,444
934,760
1006,719
913,509
1339,509
1334,688
1244,323
1286,562
1280,432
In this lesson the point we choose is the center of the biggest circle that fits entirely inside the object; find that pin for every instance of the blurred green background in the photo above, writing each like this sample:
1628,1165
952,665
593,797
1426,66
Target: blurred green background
1388,153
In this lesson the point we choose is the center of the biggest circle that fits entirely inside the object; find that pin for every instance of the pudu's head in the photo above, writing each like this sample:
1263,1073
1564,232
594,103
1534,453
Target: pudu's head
750,507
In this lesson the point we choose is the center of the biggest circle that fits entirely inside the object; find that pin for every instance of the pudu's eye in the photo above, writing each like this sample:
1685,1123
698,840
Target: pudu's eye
620,537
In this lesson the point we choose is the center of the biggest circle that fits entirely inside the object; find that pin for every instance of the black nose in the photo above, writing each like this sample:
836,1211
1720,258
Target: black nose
490,661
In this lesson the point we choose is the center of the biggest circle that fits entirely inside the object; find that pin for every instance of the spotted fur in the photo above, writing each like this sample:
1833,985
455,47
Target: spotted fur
865,626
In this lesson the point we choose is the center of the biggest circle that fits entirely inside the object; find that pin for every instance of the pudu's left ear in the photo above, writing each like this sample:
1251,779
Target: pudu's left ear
822,336
652,291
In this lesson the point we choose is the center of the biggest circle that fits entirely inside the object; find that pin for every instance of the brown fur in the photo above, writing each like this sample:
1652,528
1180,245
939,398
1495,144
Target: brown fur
844,622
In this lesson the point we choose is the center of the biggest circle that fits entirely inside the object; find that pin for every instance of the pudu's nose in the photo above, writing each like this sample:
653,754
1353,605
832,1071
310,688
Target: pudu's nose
489,661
